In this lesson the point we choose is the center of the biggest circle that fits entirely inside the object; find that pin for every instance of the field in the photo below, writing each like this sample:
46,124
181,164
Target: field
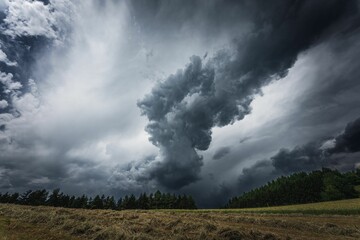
329,220
341,207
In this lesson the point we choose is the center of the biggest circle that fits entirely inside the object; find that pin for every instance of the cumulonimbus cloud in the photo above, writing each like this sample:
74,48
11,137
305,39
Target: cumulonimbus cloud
183,109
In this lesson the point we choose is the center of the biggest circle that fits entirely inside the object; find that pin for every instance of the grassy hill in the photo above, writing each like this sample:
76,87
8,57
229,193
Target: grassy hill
343,207
29,222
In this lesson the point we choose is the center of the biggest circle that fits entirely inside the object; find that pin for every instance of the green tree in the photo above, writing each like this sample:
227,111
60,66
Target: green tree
97,203
54,198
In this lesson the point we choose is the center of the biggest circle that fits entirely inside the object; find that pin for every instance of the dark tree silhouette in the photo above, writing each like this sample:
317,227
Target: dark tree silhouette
316,186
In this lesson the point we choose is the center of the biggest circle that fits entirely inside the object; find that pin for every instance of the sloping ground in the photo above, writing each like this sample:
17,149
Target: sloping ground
26,222
13,229
344,207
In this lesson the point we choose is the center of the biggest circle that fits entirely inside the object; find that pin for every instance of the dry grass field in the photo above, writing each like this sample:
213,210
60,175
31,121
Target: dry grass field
27,222
341,207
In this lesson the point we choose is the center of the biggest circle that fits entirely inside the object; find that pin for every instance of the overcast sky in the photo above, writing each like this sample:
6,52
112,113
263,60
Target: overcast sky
209,98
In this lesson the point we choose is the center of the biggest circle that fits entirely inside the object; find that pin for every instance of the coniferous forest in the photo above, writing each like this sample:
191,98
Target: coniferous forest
298,188
157,200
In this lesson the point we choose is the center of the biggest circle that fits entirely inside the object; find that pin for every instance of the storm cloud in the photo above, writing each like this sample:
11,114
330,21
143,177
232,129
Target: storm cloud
184,108
100,96
221,152
332,152
349,141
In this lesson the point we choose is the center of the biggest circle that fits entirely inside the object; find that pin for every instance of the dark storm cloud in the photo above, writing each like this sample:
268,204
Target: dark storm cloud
333,100
23,171
221,152
59,172
218,195
302,158
349,141
343,154
324,108
211,18
66,145
184,108
259,173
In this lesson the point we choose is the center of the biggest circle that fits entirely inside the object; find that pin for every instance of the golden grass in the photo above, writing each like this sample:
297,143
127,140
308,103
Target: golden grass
347,207
11,229
35,223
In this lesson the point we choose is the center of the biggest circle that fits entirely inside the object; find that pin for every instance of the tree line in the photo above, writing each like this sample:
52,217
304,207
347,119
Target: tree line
155,200
316,186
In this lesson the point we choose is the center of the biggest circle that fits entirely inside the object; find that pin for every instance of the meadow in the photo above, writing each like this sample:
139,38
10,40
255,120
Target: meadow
340,207
327,220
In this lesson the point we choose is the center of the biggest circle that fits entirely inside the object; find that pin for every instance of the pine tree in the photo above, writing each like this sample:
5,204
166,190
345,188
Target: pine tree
157,200
24,198
54,198
119,204
144,202
132,202
97,203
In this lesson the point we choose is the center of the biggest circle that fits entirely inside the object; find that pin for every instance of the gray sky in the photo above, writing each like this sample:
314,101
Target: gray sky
209,98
